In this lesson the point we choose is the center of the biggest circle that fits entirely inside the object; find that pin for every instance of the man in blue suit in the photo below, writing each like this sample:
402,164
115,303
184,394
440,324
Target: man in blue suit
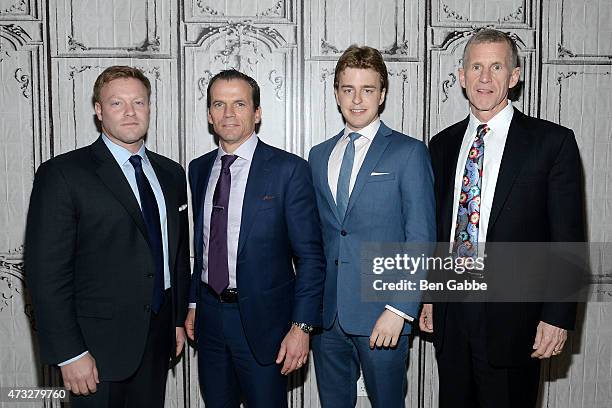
255,219
373,184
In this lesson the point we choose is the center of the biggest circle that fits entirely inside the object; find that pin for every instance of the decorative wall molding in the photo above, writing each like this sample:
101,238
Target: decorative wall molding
19,7
264,11
510,13
150,35
24,82
447,84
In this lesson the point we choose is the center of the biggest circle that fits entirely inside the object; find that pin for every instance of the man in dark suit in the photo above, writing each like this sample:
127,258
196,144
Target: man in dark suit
373,185
107,255
255,220
526,188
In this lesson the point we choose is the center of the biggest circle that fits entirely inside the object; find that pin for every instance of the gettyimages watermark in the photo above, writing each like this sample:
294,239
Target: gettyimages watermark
499,272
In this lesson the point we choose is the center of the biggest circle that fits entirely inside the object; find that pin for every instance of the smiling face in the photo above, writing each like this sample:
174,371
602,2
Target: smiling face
487,75
359,96
123,110
232,112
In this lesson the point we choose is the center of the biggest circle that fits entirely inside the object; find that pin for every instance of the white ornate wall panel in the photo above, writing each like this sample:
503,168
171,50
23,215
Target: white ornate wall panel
578,31
51,52
19,10
392,26
509,13
112,27
264,11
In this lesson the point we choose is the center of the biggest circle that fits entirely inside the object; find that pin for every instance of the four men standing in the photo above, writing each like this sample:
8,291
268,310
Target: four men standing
278,245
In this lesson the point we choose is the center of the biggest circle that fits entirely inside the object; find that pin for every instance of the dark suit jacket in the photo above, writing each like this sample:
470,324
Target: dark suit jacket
88,263
279,229
538,198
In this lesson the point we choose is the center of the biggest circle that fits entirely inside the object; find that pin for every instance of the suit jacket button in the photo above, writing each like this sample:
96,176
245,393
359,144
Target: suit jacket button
343,233
147,308
336,262
149,275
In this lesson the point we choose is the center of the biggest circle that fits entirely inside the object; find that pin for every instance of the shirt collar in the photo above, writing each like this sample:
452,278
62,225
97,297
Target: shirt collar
245,151
498,124
121,154
368,132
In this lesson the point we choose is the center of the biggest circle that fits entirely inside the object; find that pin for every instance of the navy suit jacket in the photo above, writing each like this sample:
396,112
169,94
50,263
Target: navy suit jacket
540,186
279,230
396,206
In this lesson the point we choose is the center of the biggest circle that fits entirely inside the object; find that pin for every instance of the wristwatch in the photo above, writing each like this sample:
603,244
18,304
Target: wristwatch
305,327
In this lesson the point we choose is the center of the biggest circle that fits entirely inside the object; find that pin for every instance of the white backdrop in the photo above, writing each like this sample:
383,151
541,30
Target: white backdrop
52,51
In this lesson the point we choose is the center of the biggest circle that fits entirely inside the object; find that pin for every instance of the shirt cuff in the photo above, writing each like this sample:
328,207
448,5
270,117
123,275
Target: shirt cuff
192,306
72,360
399,313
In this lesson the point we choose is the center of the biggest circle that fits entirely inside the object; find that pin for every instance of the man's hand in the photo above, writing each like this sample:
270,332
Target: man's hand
81,376
387,330
426,318
190,325
294,350
549,340
180,340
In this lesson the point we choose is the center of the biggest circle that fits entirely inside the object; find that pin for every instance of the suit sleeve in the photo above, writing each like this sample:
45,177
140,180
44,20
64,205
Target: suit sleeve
183,277
50,245
196,274
566,218
305,237
419,213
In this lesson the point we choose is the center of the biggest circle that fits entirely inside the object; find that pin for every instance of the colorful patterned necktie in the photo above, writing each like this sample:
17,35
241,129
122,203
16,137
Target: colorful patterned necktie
218,268
468,214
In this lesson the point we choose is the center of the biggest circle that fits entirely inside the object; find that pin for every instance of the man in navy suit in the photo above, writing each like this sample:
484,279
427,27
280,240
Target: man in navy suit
373,184
489,354
258,276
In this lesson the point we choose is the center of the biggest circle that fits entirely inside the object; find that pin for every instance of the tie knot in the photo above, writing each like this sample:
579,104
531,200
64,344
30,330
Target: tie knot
354,136
227,160
482,130
136,161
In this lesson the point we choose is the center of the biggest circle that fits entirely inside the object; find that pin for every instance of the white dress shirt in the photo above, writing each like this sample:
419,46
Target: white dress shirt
494,144
240,173
122,157
362,145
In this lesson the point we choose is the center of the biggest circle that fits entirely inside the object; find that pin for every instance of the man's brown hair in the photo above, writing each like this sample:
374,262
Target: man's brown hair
362,58
116,72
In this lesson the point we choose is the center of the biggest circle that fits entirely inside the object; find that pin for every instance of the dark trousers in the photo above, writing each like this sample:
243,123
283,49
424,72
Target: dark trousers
338,357
146,388
467,379
228,371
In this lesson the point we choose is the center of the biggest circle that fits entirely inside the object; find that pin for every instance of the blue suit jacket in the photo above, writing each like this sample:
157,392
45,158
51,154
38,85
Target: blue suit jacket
395,207
279,229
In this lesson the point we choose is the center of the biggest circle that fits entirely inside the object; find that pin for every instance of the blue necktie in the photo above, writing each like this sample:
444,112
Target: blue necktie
344,178
468,213
218,269
150,213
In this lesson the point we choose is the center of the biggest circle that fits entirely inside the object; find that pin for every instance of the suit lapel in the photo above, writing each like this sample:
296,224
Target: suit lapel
256,187
111,175
167,183
375,152
517,144
198,202
324,180
449,165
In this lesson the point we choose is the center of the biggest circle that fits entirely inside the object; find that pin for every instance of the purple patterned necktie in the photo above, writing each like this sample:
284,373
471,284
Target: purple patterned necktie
218,269
468,214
